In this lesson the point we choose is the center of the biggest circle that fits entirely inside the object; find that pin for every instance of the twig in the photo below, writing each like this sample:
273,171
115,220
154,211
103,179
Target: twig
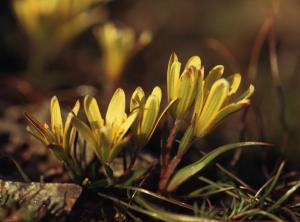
277,80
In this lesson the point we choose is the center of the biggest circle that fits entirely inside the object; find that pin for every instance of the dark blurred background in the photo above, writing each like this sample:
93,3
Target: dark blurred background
220,32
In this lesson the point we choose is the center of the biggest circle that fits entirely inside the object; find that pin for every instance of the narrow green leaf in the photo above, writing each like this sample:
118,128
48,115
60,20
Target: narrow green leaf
134,175
274,181
155,195
253,212
130,206
20,170
216,187
168,216
185,141
188,171
284,197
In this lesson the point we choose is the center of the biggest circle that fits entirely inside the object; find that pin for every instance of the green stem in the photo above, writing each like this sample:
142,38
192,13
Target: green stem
165,176
134,157
170,141
183,147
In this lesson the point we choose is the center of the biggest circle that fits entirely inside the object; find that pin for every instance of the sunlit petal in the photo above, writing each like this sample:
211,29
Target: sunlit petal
137,99
116,109
213,75
92,112
173,73
234,83
186,92
199,100
246,95
214,102
56,120
68,137
193,61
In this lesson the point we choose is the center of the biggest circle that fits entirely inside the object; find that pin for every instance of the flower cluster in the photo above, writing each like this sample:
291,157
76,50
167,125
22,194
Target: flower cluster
60,137
202,101
211,95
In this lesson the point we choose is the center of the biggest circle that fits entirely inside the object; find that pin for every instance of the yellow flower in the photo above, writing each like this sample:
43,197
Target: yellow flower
118,46
55,21
59,137
148,114
108,136
182,87
214,99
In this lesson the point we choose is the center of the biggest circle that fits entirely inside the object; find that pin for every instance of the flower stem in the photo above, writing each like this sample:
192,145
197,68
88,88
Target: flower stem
170,140
167,172
134,157
165,176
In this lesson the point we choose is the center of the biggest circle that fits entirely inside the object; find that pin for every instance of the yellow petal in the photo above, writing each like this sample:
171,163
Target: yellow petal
246,94
56,120
186,92
137,99
213,104
214,74
173,76
68,135
173,58
157,93
149,116
194,61
37,127
124,127
172,103
227,110
86,132
116,109
234,83
92,112
199,99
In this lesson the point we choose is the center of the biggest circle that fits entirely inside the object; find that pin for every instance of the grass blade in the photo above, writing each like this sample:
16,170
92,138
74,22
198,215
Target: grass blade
20,170
168,216
272,185
284,197
186,172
